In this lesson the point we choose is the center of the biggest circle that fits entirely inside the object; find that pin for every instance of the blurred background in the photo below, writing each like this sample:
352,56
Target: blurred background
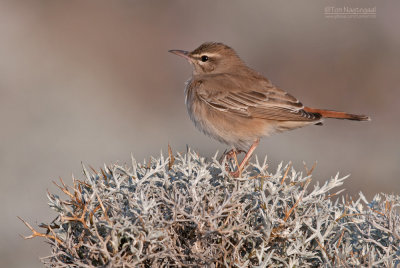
92,82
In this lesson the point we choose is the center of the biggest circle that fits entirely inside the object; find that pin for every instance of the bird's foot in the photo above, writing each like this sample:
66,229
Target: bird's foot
230,154
241,166
233,153
235,174
231,157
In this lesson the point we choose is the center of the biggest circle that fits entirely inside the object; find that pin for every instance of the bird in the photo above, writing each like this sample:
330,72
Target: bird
236,105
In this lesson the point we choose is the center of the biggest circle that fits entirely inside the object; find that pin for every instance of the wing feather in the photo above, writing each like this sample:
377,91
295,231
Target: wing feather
262,100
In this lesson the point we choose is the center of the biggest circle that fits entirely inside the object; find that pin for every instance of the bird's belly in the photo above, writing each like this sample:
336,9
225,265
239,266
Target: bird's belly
237,131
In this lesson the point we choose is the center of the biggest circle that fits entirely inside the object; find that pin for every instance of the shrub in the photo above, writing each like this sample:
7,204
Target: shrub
188,211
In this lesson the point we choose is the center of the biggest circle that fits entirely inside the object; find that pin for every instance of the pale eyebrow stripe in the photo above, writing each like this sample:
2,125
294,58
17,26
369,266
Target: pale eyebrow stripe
210,55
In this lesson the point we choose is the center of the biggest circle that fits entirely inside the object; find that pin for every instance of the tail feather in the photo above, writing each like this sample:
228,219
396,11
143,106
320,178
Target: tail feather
337,115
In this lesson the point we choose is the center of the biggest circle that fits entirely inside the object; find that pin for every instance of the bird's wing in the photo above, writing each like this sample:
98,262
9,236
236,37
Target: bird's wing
260,100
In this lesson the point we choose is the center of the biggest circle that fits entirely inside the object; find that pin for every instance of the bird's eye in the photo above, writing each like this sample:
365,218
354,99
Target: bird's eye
204,58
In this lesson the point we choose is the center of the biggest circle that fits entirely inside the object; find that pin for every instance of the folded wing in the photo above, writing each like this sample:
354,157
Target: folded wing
261,100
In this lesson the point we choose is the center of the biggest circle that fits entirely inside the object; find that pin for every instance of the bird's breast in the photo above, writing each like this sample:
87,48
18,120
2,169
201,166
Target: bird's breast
196,108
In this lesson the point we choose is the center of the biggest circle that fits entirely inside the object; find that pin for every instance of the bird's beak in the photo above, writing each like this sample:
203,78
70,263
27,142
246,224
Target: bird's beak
181,53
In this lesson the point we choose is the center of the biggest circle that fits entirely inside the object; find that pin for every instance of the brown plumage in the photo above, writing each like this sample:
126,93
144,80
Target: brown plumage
236,105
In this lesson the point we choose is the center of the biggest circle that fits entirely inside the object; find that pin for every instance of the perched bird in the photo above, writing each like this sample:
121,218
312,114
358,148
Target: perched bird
236,105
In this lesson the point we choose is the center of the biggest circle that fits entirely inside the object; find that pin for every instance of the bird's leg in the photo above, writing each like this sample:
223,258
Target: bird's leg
232,153
246,158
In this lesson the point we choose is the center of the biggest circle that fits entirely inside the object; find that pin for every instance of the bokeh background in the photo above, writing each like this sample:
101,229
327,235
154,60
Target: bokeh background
92,82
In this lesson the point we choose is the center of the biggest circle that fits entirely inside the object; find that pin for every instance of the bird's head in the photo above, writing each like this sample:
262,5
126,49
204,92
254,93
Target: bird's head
210,58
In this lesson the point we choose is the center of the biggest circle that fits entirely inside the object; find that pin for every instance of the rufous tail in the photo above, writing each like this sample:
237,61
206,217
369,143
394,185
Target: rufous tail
336,114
